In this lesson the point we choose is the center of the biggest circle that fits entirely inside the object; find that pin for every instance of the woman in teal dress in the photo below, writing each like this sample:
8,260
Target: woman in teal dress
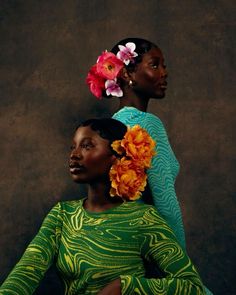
142,75
145,77
99,243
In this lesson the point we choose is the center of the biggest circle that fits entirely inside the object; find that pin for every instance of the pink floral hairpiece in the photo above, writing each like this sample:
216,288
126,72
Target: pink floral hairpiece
127,53
103,75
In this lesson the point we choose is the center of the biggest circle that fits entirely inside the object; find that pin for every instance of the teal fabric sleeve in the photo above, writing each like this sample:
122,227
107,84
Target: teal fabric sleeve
162,174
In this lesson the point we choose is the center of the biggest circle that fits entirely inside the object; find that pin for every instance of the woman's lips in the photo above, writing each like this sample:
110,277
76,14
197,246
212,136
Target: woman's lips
163,86
76,168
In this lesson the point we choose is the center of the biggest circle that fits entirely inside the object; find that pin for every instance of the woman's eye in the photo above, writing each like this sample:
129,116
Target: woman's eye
72,147
154,66
86,146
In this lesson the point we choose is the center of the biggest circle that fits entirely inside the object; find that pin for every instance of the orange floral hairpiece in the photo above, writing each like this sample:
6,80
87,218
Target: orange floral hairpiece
128,174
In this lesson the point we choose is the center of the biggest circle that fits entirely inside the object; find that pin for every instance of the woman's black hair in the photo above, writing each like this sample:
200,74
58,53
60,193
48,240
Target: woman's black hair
107,128
142,47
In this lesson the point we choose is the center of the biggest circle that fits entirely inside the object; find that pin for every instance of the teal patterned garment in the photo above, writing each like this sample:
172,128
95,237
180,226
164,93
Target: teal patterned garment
165,167
92,249
162,174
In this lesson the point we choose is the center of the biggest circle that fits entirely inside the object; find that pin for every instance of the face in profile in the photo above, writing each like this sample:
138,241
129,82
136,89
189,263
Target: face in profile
150,75
91,156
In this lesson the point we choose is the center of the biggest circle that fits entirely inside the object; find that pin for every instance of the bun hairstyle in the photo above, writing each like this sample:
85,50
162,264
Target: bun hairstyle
107,128
142,47
104,78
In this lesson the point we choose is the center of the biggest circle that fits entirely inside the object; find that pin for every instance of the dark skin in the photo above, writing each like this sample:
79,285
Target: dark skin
90,162
148,81
114,288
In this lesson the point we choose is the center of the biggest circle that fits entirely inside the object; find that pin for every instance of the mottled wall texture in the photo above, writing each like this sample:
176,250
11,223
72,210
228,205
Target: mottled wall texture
46,48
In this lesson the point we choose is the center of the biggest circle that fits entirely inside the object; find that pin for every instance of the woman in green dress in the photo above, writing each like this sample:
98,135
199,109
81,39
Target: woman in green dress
99,243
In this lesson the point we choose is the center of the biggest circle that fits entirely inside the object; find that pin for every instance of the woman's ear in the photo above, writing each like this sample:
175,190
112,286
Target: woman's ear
125,75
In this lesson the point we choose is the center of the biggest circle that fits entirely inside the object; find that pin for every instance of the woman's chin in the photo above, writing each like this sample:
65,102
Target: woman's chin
159,96
78,179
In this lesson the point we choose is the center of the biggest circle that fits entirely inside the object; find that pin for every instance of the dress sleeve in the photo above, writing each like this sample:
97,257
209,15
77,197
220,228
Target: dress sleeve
158,244
37,258
161,180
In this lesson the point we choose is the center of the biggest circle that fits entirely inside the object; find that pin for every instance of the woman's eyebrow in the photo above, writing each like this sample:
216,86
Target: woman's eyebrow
154,58
87,138
81,140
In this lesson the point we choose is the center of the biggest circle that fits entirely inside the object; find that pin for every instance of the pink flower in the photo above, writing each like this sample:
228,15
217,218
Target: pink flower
127,53
108,65
95,82
112,88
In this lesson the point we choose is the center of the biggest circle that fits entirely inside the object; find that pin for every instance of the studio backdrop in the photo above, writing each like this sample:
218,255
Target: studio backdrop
46,49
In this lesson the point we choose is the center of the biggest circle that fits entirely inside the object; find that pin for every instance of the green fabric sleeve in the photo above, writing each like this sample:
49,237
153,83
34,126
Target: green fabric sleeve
159,244
37,258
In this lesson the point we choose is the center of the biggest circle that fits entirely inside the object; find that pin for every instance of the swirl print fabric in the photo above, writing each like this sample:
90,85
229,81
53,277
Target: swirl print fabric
164,169
92,249
163,172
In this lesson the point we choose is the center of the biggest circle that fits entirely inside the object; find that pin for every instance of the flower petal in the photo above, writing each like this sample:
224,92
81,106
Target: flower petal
131,46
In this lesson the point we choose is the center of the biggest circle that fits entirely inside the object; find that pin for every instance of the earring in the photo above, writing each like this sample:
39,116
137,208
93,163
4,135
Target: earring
130,82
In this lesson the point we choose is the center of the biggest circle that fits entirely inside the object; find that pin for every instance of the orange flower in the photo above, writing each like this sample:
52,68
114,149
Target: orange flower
128,176
127,179
116,145
138,145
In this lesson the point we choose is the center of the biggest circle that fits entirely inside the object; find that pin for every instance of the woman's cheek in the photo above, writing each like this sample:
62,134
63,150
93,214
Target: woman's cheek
94,159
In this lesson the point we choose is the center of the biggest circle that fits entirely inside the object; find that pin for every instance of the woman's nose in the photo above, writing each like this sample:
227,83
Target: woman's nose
164,72
75,154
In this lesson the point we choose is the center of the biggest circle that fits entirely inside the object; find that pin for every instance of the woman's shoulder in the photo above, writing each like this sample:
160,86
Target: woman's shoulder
147,214
70,205
140,208
131,116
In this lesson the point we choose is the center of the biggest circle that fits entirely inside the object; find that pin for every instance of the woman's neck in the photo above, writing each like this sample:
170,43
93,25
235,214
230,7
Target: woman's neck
140,105
99,198
131,99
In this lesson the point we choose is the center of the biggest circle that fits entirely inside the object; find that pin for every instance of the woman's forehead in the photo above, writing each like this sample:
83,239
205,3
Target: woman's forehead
84,131
87,132
154,52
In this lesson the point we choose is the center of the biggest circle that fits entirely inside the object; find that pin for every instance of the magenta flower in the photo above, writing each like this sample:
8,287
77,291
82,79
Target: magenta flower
108,65
127,53
112,88
95,82
103,75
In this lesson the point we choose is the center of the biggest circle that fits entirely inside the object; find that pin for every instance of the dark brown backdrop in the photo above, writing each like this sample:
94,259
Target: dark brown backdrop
46,48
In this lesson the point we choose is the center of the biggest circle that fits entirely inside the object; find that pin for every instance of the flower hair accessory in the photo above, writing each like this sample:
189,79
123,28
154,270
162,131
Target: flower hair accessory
128,174
103,75
127,53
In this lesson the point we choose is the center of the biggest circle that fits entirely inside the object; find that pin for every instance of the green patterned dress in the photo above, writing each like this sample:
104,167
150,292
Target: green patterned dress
92,249
163,172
